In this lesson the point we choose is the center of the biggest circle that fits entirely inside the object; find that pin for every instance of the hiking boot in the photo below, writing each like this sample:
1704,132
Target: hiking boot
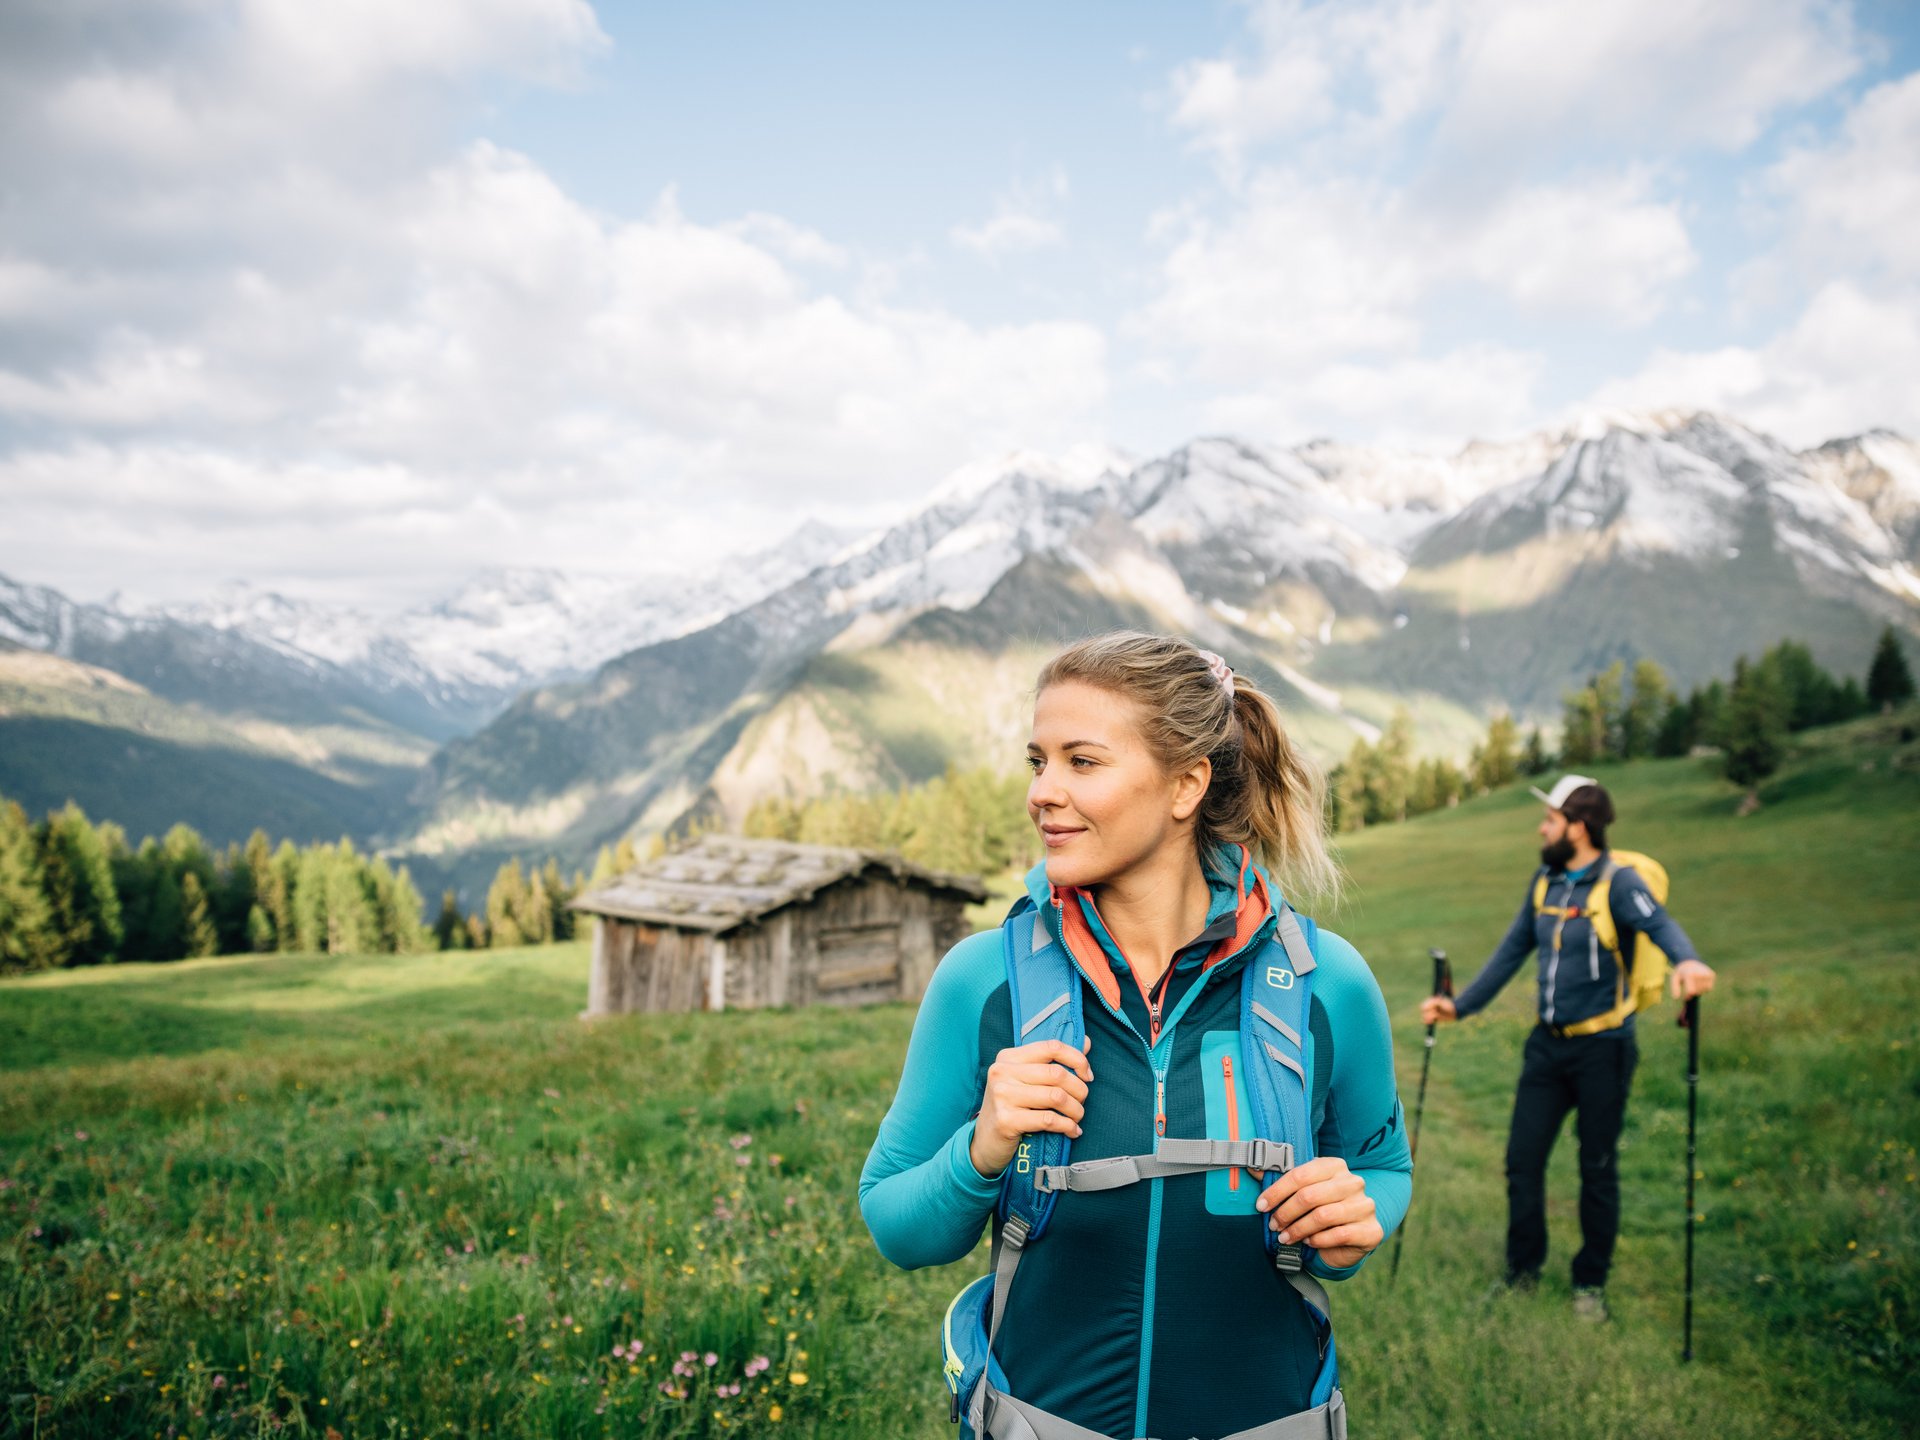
1590,1304
1524,1282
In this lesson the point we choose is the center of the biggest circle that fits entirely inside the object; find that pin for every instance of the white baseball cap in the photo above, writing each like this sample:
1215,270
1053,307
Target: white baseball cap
1568,784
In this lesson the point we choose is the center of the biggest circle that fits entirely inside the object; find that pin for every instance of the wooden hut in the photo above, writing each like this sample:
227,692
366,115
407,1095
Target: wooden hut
735,924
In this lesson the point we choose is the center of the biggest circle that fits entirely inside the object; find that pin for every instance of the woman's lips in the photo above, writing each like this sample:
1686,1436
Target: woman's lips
1058,835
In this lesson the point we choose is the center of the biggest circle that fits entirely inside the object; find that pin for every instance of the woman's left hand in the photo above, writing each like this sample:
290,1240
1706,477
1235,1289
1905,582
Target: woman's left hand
1325,1205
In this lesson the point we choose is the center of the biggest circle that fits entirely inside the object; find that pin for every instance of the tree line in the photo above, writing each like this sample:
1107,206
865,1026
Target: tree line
76,893
970,822
1622,716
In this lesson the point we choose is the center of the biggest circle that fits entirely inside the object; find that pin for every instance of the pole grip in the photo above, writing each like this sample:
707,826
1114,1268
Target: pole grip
1442,973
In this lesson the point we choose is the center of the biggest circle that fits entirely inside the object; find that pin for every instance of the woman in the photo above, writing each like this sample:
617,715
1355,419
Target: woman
1159,779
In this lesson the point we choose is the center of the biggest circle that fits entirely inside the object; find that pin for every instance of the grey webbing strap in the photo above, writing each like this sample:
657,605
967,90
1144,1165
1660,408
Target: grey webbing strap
1277,1023
1009,1419
1009,1245
1299,953
1173,1157
1058,1001
1311,1291
1280,1057
1323,1422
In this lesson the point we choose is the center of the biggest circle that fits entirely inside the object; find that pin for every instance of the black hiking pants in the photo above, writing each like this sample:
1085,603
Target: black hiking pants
1591,1074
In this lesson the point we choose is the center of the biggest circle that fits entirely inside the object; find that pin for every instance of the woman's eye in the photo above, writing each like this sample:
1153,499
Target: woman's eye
1083,761
1034,762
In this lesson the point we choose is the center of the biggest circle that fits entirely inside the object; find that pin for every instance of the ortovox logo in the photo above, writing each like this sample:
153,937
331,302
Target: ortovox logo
1278,978
1023,1158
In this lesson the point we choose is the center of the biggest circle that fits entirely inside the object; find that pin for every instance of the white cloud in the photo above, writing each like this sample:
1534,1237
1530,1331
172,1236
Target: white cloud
1008,232
224,280
1606,248
1322,293
1851,362
1020,221
1856,200
1476,390
1500,82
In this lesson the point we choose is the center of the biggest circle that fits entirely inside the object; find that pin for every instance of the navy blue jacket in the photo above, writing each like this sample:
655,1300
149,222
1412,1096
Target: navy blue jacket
1578,975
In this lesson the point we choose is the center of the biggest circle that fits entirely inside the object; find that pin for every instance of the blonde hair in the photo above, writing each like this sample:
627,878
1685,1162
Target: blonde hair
1265,794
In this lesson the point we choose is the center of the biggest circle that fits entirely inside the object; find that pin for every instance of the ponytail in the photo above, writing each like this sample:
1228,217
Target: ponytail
1265,794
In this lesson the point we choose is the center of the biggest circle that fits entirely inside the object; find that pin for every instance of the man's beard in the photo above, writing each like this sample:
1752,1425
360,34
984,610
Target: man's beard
1556,855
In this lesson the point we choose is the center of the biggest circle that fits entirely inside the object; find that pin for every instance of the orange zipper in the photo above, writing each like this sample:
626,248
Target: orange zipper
1159,1107
1233,1118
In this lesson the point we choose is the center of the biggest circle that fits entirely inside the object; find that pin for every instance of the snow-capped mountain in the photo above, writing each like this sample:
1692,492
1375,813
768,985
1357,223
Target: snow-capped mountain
507,629
1345,579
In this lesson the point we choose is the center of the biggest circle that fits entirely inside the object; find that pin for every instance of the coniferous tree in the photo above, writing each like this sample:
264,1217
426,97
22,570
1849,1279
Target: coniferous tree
1709,718
506,903
167,915
1675,736
1584,728
260,938
1852,702
450,927
1390,775
1496,760
27,938
277,896
1644,711
1889,681
309,892
1754,729
77,876
198,934
1349,786
1536,759
233,900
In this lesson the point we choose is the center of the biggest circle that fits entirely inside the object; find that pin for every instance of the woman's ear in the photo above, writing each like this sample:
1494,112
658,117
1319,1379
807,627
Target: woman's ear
1190,788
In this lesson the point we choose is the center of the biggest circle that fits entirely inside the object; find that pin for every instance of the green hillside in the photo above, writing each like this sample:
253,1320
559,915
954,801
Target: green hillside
70,731
415,1194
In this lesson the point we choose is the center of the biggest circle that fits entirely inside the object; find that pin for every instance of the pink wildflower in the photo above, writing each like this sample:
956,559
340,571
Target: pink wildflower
710,1359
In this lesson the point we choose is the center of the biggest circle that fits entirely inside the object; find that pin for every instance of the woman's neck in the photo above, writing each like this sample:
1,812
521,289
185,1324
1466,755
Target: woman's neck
1152,911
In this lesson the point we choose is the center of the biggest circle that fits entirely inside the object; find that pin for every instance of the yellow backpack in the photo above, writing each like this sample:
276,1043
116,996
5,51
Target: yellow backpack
1643,989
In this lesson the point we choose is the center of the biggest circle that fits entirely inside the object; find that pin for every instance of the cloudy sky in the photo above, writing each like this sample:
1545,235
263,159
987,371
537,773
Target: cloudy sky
352,299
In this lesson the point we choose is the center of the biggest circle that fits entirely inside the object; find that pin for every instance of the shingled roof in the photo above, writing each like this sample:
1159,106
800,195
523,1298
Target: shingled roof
723,881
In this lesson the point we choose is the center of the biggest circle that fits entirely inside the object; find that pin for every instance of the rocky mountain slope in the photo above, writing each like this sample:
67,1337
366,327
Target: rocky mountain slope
1349,581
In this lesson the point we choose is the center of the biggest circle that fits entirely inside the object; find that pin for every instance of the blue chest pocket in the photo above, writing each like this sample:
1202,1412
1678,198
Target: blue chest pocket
1229,1117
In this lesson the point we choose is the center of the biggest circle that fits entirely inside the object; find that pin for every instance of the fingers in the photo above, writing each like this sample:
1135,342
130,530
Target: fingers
1311,1227
1346,1245
1030,1095
1314,1196
1054,1052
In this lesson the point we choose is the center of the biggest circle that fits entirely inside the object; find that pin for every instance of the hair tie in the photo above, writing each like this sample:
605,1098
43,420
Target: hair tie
1222,671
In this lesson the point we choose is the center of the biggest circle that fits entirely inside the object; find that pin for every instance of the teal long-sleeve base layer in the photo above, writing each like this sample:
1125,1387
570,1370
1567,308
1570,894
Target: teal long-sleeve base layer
1150,1310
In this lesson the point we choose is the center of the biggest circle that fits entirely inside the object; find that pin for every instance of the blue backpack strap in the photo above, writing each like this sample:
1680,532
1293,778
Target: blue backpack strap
1044,991
1276,1038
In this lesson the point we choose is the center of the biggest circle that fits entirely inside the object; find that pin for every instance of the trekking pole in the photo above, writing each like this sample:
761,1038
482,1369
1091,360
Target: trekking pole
1690,1019
1442,985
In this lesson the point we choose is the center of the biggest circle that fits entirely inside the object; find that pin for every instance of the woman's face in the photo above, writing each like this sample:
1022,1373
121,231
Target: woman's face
1101,800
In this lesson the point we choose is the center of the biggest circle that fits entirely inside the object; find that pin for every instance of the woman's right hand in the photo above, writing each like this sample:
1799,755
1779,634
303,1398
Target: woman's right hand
1030,1088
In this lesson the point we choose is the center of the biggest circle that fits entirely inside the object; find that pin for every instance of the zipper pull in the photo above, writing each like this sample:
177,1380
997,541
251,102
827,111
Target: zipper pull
1153,1023
954,1413
1159,1107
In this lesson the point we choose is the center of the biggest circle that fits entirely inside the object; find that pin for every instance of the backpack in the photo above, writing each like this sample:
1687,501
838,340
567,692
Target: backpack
1043,986
1643,988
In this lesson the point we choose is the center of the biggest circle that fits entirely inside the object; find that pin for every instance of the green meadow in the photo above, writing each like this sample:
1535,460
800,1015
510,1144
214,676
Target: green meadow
415,1195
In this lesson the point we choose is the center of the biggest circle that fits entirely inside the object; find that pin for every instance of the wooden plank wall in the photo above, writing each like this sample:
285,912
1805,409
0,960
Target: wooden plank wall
864,940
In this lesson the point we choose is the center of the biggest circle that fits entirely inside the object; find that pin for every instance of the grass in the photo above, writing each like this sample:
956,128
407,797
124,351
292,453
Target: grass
412,1196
